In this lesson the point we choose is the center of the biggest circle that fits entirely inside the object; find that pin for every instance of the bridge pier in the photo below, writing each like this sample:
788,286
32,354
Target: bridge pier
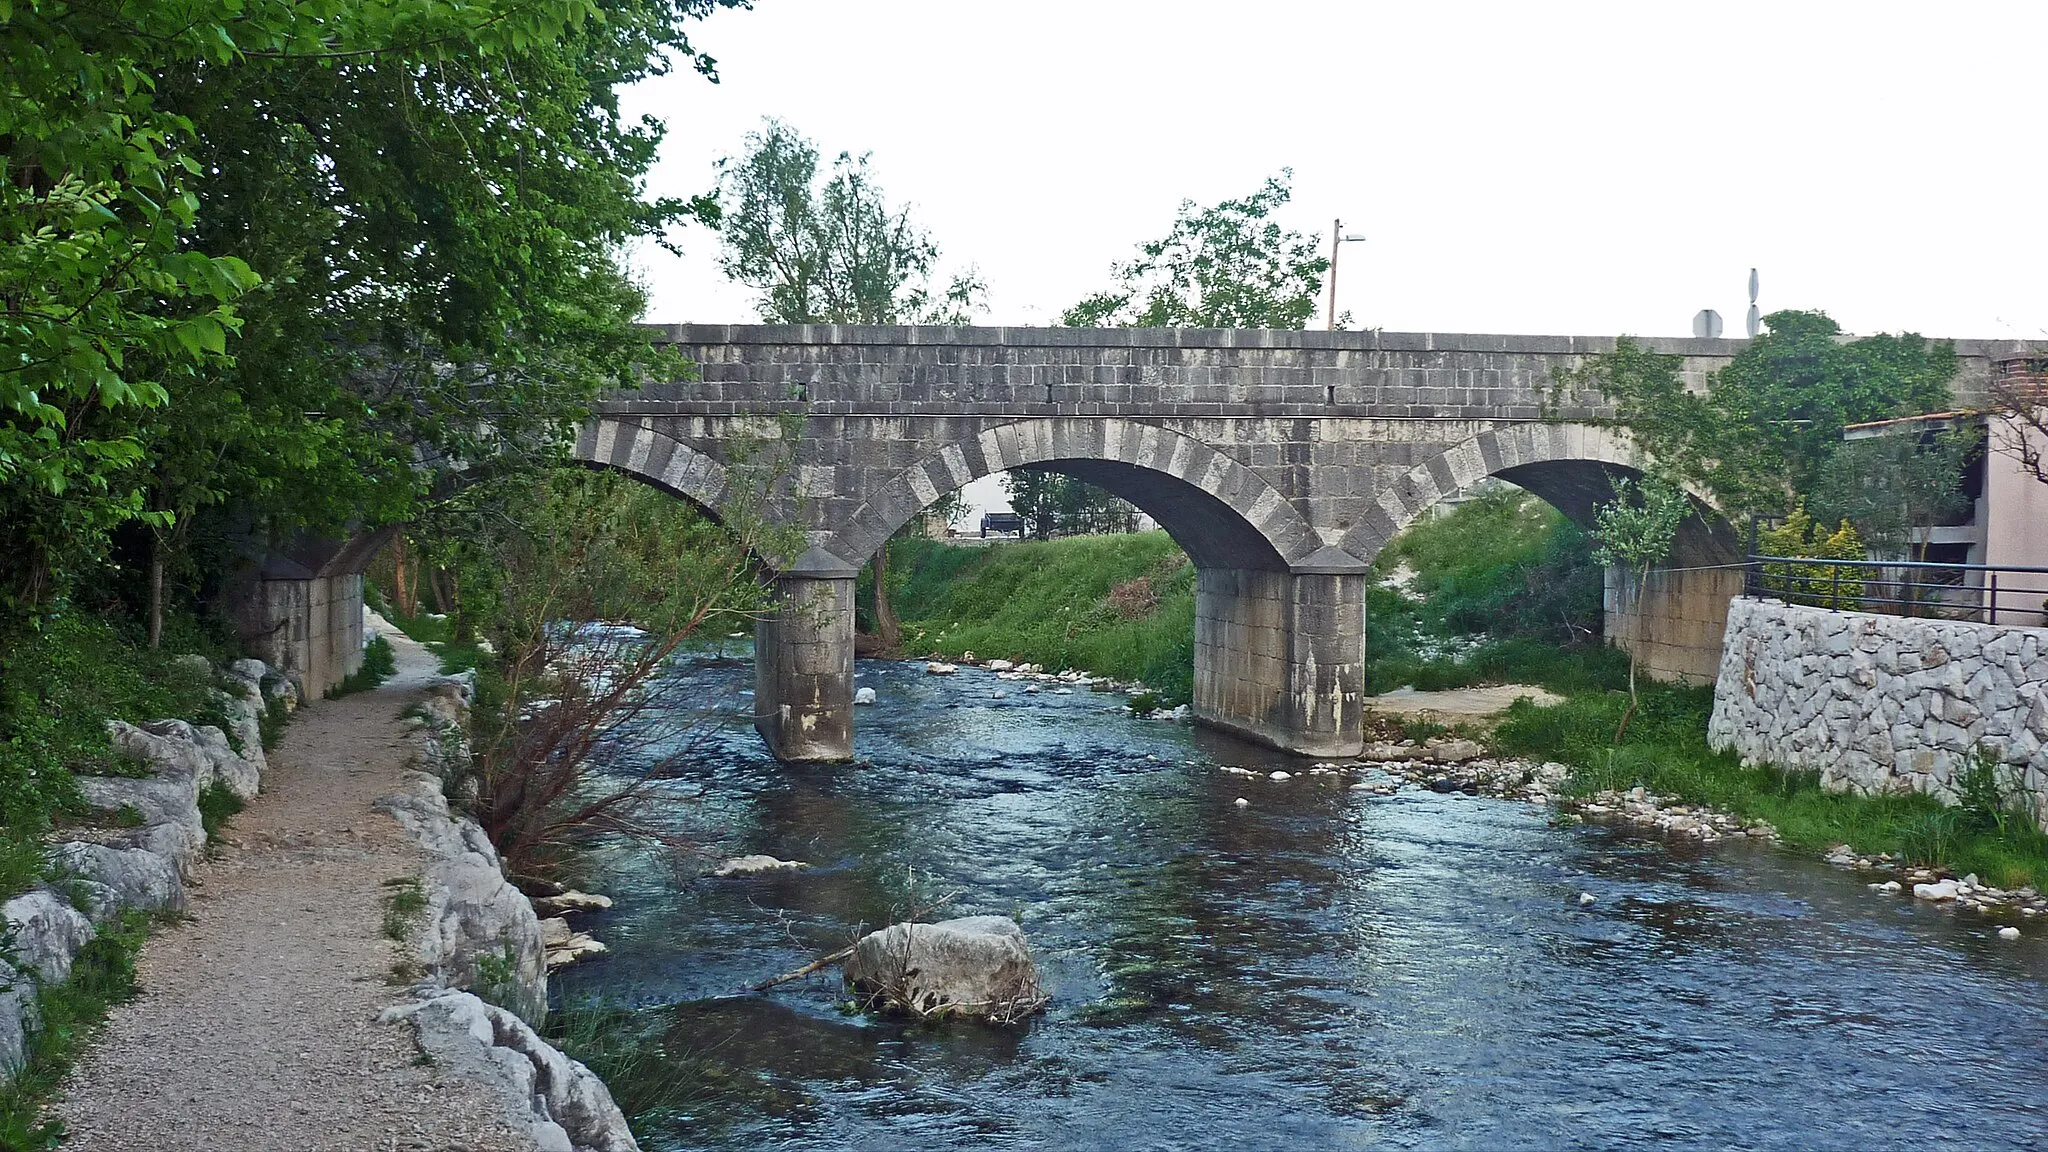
1280,656
803,665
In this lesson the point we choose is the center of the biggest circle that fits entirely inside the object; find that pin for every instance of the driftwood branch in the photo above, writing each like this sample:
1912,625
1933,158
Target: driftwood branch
824,962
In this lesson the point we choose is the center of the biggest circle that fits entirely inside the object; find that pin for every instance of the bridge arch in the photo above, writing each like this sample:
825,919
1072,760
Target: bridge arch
1570,466
633,445
1223,514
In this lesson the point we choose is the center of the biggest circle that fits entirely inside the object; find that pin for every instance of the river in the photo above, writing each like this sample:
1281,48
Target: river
1319,969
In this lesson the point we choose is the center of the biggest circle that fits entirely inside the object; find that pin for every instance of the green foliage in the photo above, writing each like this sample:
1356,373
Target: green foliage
102,975
1665,750
404,900
1771,419
1504,563
285,264
271,724
1053,603
1825,585
1144,703
58,689
217,802
379,662
1897,488
1227,266
1637,528
832,253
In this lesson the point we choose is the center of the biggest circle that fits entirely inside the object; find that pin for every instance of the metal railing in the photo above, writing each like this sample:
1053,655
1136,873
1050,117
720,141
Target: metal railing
1987,594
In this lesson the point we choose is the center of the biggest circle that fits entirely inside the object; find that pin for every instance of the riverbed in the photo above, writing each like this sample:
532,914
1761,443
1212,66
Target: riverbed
1318,968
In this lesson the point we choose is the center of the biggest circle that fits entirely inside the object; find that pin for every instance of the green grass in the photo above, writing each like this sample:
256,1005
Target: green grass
1120,605
217,802
1665,750
59,685
102,975
379,662
404,900
439,638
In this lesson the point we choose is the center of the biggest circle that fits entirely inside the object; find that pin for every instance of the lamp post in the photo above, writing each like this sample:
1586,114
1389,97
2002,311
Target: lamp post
1337,241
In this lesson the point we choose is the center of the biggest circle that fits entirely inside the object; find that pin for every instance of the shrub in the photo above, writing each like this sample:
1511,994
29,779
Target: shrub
217,802
380,660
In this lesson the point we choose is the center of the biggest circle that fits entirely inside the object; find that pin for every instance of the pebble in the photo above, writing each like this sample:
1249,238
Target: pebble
1281,776
2008,933
1241,802
864,696
1586,898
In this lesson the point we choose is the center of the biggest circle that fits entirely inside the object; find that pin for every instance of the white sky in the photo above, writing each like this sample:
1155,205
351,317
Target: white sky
1585,169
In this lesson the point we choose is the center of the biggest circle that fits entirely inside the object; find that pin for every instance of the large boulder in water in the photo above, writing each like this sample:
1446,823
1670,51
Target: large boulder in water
977,966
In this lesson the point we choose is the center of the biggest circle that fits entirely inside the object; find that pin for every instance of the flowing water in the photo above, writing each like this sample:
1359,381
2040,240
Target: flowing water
1319,969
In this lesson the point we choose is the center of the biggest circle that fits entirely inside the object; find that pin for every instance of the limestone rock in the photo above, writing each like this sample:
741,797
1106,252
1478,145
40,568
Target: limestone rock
17,1018
570,900
476,925
565,1103
940,668
756,864
864,696
1454,752
1940,890
976,966
119,878
44,932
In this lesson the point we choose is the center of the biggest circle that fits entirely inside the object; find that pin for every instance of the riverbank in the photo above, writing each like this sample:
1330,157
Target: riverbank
1120,606
257,1012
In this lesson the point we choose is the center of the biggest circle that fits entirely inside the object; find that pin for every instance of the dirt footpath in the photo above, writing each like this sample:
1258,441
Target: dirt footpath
256,1026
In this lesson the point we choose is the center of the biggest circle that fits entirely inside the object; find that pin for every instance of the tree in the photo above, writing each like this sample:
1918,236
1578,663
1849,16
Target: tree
301,257
1633,532
1226,266
2018,407
833,252
830,253
1770,420
1897,488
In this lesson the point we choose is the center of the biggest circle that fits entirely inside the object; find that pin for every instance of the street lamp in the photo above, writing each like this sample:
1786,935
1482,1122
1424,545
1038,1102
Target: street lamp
1337,241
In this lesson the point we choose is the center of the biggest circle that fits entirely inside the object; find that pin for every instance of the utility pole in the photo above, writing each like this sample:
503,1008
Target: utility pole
1337,241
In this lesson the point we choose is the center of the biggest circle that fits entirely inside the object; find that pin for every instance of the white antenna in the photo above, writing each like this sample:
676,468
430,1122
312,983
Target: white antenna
1754,318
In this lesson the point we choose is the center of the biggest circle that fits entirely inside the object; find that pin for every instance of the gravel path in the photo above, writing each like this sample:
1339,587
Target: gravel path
256,1027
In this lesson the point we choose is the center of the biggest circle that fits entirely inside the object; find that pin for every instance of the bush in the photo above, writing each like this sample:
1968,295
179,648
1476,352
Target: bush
1504,563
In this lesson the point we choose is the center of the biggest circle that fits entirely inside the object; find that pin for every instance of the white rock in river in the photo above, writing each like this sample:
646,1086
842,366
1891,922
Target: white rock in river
756,864
1241,802
1586,898
1281,776
864,696
2008,933
940,668
974,966
1000,666
1944,890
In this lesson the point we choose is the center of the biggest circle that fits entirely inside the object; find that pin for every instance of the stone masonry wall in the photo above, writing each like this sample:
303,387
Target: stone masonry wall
1882,703
1675,632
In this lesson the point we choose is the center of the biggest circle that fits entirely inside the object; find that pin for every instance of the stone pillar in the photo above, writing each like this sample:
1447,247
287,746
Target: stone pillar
1280,656
803,664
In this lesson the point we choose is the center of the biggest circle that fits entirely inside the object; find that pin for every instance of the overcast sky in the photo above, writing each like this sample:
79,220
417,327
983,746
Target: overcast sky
1587,169
1541,168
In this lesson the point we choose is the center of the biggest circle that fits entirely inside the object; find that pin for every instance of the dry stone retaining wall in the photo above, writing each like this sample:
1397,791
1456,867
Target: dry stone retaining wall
1882,703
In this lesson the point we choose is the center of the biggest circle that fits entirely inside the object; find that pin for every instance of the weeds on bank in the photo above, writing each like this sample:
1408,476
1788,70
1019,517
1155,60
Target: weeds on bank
1666,752
379,662
1118,605
102,975
404,900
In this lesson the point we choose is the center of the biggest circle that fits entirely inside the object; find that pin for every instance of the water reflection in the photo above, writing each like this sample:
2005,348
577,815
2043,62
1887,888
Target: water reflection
1319,969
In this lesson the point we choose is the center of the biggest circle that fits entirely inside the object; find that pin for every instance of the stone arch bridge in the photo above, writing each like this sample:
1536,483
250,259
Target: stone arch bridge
1282,462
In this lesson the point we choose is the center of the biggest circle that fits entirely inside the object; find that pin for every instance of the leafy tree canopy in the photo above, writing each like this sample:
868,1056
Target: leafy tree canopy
301,256
1226,266
829,248
1768,422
